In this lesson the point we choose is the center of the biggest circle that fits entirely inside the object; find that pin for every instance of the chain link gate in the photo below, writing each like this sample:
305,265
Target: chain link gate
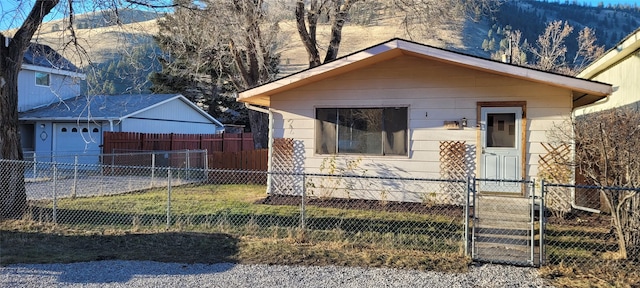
505,227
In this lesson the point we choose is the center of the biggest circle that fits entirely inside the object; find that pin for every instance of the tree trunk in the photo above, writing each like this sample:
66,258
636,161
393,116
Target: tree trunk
260,128
12,193
308,39
13,197
622,244
336,31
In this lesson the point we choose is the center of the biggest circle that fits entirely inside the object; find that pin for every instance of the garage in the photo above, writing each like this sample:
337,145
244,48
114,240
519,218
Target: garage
81,139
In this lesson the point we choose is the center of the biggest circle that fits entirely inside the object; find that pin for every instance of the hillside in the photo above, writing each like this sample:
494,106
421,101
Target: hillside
124,53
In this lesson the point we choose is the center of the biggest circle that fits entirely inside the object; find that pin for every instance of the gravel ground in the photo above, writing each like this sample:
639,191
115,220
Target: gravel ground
93,186
154,274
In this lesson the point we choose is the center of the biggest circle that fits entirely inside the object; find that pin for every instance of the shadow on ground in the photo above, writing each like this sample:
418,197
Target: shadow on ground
40,248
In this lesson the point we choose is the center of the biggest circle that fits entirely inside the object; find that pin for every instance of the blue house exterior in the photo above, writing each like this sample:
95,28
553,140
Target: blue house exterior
58,123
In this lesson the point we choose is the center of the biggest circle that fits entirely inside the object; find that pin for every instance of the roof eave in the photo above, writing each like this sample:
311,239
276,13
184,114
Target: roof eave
64,72
627,46
184,100
261,95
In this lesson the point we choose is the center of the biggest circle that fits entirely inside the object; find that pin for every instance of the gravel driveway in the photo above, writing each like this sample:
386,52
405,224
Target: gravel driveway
154,274
94,186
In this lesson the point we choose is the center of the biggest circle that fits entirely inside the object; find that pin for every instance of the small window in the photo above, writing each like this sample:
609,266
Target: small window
369,131
74,130
95,130
42,79
85,130
63,130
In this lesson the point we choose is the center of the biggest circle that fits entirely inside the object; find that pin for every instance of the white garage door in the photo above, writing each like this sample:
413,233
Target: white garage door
83,140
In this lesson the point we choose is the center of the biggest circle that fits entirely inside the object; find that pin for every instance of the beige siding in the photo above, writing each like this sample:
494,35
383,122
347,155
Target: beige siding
624,77
442,92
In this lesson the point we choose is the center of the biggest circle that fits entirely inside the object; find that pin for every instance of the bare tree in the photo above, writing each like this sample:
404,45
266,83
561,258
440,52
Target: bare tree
588,51
220,47
607,153
550,49
418,16
12,190
549,52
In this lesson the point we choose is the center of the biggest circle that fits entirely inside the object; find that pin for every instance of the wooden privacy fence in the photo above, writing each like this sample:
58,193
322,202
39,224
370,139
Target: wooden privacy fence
118,142
240,164
224,151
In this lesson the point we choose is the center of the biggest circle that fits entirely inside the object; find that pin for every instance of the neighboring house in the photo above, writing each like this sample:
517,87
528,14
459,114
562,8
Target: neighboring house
75,126
55,120
391,108
619,66
46,77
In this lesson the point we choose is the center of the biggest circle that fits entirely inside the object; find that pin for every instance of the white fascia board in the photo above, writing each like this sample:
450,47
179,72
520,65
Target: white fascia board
65,118
572,83
510,70
82,76
615,54
306,74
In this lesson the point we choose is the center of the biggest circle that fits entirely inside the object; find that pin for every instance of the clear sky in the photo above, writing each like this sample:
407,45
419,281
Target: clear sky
14,11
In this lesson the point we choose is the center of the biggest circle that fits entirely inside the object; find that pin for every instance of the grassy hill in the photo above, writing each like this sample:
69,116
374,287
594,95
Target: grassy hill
123,53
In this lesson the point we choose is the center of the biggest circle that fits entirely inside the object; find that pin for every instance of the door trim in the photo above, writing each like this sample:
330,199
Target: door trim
523,131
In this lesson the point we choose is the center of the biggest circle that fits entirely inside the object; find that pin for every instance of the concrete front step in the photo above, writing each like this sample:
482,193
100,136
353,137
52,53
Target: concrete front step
503,229
510,254
504,224
498,216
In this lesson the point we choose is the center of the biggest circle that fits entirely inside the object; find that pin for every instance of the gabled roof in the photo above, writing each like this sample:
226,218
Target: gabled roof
107,107
624,48
584,91
44,56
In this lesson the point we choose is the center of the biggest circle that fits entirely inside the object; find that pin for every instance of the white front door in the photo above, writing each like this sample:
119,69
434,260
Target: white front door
501,154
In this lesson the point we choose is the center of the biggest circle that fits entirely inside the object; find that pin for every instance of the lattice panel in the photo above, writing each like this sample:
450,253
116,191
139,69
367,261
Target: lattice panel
553,166
453,165
283,162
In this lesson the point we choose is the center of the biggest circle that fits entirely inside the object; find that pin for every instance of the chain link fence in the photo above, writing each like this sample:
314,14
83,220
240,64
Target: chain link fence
434,215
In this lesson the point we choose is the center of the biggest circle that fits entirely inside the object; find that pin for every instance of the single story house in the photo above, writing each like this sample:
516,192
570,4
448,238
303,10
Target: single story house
395,108
75,126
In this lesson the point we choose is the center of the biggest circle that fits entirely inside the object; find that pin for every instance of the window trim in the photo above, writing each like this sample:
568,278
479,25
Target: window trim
43,73
382,155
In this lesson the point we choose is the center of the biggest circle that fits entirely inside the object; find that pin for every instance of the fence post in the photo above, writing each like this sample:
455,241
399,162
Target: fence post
168,197
75,176
542,220
113,159
35,164
187,164
466,216
475,209
532,220
55,196
206,159
302,204
153,168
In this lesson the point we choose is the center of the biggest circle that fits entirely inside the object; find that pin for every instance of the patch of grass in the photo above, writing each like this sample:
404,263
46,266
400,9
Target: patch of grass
225,223
603,273
344,254
74,246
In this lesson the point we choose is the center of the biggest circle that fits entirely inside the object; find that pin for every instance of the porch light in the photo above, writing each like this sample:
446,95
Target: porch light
463,122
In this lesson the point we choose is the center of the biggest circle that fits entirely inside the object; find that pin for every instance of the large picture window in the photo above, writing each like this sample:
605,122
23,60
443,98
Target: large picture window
42,79
371,131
